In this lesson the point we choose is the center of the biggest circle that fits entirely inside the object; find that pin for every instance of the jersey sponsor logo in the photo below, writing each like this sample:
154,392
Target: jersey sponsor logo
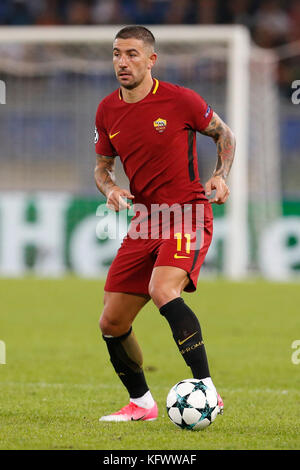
96,135
176,256
111,136
160,125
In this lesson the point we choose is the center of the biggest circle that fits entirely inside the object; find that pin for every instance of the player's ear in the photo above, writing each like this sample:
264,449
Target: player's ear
152,60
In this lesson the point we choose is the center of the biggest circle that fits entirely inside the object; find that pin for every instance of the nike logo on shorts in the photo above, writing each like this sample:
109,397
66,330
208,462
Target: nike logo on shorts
176,256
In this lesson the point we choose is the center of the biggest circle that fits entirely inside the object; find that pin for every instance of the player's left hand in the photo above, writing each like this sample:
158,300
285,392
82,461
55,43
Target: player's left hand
222,191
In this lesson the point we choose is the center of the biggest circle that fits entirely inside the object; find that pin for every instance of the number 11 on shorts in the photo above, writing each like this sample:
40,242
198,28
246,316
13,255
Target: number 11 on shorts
187,237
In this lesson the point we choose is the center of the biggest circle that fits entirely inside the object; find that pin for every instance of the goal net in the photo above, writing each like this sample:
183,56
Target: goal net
55,78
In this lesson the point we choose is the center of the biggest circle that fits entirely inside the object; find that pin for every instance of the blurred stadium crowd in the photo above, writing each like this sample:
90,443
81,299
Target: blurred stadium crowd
272,22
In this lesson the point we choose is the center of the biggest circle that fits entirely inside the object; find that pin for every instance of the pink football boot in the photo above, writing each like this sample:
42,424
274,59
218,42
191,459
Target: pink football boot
132,412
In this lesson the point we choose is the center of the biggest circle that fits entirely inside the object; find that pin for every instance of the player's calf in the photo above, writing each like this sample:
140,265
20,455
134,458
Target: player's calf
126,358
187,335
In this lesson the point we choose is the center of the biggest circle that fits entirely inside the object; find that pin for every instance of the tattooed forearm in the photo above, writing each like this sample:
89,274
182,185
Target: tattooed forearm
225,150
104,174
225,142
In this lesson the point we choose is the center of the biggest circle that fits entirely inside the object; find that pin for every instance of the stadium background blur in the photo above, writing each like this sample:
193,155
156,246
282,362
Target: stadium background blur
47,153
272,23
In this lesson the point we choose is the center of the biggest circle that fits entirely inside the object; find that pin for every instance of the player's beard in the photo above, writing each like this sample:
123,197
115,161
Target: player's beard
131,86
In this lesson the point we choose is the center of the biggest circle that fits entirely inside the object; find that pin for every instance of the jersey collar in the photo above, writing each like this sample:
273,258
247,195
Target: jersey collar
153,89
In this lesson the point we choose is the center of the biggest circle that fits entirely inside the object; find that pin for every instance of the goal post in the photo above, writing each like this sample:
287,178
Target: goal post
181,47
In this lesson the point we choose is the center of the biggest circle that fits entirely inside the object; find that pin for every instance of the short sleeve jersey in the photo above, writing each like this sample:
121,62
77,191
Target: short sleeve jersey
155,139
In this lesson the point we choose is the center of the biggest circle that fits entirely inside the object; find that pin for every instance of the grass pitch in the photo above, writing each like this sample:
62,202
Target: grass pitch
58,379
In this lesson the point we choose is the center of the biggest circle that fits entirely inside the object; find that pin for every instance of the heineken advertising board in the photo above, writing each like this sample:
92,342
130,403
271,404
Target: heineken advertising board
54,234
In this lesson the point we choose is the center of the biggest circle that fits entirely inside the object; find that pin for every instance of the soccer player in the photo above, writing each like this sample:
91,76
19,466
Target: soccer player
151,126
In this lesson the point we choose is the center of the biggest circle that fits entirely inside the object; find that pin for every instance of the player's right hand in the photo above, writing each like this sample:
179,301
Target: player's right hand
222,190
116,199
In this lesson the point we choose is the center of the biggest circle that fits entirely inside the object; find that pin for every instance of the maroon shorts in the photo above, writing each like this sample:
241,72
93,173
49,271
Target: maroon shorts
185,248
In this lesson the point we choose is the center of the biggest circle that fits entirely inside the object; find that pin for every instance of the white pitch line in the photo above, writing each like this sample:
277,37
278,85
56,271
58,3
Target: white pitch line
107,386
53,385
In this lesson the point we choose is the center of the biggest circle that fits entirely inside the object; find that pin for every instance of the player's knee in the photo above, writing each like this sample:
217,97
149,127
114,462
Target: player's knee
102,324
162,293
107,327
112,327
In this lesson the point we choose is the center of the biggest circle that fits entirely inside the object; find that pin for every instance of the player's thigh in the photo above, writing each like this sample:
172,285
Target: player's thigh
131,269
167,283
120,310
180,257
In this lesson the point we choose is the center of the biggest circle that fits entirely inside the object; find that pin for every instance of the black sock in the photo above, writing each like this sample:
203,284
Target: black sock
129,370
187,335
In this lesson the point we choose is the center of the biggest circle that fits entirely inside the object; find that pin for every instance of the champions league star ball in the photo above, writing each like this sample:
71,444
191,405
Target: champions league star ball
192,405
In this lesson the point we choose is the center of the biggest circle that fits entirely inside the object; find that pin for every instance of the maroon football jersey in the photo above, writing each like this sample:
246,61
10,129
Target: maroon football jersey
155,139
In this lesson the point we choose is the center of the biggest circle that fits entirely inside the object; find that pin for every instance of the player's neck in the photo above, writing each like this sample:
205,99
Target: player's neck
138,93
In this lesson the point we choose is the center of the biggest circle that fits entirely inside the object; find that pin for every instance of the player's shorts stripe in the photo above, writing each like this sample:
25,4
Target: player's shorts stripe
198,246
191,154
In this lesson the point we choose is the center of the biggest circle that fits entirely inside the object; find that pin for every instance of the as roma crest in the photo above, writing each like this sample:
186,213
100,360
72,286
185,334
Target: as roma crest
160,125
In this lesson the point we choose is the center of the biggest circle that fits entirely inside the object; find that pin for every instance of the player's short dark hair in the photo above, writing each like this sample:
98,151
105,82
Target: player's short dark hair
137,32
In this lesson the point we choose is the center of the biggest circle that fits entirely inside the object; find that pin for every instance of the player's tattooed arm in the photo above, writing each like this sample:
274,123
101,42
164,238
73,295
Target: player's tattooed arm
225,142
104,174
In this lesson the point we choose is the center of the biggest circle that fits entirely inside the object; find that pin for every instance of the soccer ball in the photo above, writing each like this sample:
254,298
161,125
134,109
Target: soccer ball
192,405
